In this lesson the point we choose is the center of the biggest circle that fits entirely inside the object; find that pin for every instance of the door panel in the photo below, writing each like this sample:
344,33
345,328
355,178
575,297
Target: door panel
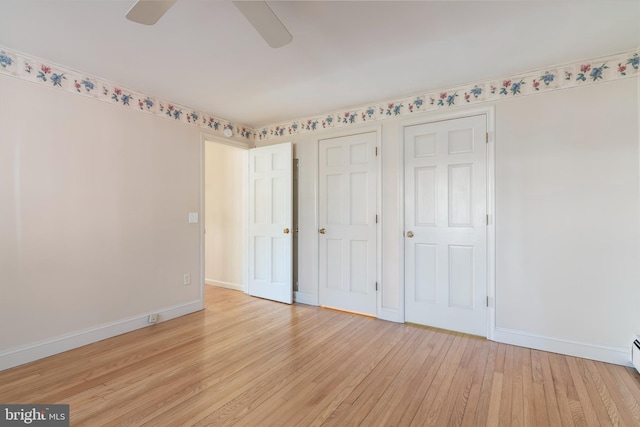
347,216
270,223
445,224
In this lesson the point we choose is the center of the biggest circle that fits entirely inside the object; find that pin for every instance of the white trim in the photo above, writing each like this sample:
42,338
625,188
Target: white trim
491,226
223,284
304,298
29,353
603,353
202,237
379,222
245,196
401,262
489,112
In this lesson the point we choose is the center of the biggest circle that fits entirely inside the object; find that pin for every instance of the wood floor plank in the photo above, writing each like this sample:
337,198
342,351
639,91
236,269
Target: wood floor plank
541,414
329,396
550,390
458,397
250,362
589,413
629,392
478,416
473,412
431,405
510,376
400,393
417,389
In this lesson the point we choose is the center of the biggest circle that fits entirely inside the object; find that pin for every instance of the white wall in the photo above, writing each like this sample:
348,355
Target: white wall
225,214
568,215
567,219
94,202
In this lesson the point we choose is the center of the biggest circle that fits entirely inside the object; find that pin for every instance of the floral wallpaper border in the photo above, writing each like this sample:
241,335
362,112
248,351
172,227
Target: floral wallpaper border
582,73
623,65
46,73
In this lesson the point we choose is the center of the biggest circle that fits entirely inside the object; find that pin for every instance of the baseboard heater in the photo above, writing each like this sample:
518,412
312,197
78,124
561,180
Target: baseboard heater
635,353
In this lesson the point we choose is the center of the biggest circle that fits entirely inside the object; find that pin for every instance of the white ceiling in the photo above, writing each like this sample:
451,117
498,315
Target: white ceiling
205,55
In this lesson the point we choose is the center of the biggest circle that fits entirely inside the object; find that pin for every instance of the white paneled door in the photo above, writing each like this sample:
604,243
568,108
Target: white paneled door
347,219
270,223
445,224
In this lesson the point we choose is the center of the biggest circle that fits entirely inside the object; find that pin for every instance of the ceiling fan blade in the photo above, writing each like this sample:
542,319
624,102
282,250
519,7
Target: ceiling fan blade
266,23
148,12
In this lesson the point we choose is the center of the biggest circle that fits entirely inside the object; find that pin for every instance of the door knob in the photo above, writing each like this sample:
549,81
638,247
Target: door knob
285,231
322,231
409,234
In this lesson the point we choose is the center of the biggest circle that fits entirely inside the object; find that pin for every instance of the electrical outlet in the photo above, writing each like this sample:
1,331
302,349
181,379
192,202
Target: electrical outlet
187,279
153,318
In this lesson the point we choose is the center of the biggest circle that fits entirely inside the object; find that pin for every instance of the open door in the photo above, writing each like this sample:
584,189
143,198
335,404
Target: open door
271,222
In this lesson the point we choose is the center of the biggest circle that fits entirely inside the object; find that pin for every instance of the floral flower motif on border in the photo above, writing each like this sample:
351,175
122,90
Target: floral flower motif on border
417,104
476,92
213,123
447,98
596,72
349,118
192,117
368,114
394,109
311,125
245,133
547,78
174,112
327,121
44,71
147,102
86,83
56,78
5,60
622,69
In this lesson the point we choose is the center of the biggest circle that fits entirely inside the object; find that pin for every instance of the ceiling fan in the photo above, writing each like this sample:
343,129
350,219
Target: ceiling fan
258,13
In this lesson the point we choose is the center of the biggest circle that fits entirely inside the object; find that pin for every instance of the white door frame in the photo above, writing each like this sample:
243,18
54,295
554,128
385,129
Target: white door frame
204,138
489,112
377,128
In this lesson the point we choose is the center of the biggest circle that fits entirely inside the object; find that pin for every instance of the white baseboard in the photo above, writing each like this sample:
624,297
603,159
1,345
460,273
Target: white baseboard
39,350
602,353
228,285
304,298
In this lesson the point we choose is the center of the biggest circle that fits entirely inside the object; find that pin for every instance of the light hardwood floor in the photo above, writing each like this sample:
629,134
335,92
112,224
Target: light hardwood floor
250,362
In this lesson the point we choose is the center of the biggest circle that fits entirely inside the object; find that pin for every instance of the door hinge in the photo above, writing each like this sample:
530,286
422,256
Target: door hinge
376,286
376,218
486,137
487,301
487,219
376,151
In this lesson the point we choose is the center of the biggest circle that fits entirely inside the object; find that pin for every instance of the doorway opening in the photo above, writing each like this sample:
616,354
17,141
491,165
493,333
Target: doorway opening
225,213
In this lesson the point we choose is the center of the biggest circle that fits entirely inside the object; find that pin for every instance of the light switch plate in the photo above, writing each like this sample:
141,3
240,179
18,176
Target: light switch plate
193,217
